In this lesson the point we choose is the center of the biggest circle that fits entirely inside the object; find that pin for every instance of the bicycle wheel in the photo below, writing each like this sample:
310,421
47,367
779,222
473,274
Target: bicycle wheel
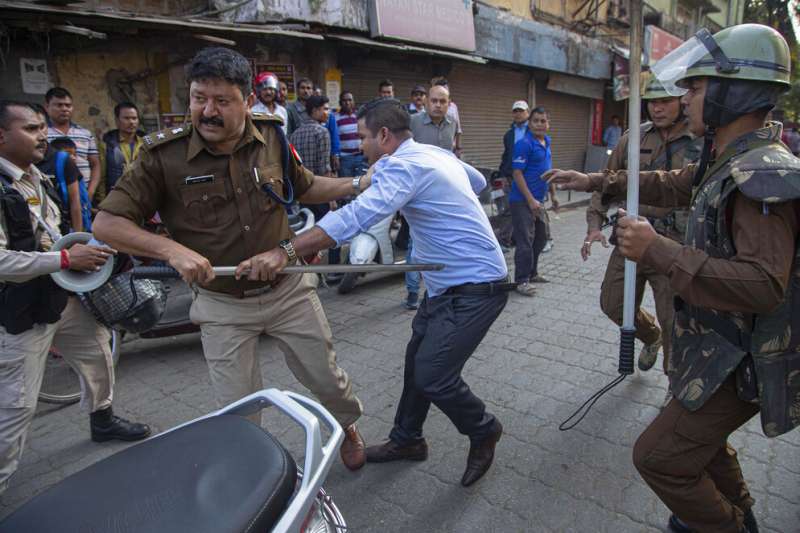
60,383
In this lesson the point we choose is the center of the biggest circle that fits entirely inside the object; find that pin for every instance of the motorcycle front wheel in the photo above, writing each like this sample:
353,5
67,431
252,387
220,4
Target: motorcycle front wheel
60,383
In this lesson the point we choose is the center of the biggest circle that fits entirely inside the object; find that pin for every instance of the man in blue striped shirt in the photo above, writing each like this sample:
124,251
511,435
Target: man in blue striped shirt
437,194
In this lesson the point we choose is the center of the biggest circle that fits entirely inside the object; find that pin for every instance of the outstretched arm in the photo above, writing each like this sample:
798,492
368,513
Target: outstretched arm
658,187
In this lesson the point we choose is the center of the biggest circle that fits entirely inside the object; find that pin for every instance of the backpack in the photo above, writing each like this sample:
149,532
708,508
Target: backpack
61,179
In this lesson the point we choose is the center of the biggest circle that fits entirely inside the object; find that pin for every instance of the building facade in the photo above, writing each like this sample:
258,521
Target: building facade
555,53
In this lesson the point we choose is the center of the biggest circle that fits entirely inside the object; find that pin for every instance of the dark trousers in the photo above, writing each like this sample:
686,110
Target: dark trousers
445,332
530,236
685,458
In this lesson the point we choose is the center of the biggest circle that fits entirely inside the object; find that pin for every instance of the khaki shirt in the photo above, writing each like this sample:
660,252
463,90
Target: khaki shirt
225,217
652,148
23,266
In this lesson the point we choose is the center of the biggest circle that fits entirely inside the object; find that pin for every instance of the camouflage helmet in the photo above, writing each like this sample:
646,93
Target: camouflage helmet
653,89
751,52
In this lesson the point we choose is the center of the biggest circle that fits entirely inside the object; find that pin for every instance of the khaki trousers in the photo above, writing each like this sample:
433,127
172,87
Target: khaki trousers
291,314
83,343
685,458
612,302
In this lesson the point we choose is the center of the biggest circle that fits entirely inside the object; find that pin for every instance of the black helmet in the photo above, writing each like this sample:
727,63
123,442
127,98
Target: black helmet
133,305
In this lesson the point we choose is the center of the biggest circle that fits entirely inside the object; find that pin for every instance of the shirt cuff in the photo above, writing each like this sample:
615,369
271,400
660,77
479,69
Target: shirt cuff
334,226
661,254
596,181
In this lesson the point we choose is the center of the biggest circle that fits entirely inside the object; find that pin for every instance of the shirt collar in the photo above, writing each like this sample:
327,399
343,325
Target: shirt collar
408,144
14,171
197,144
426,119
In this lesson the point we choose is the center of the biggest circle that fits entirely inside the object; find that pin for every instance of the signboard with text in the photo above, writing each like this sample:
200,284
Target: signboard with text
658,43
445,23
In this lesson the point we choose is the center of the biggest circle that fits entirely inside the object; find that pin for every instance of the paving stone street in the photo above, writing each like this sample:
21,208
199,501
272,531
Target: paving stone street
543,357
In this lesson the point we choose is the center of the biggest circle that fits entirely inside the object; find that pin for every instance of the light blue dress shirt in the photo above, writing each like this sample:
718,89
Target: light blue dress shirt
437,194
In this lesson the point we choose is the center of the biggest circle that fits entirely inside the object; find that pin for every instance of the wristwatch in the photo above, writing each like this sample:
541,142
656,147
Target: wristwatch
288,247
357,185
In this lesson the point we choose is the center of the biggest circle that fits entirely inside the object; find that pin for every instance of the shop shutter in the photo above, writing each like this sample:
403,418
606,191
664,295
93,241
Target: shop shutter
484,95
362,80
569,126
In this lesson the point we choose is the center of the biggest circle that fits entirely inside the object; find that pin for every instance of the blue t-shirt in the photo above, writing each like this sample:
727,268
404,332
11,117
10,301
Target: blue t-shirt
533,160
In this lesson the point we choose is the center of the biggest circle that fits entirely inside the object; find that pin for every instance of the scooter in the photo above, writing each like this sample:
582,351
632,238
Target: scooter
373,246
219,473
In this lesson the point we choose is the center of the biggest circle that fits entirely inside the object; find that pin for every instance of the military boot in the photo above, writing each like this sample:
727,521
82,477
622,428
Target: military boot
107,426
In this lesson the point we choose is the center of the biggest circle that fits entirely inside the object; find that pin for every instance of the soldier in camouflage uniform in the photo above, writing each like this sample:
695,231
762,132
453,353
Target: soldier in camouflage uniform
737,323
665,144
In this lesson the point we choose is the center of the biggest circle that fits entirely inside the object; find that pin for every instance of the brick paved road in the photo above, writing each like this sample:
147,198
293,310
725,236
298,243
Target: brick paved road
543,357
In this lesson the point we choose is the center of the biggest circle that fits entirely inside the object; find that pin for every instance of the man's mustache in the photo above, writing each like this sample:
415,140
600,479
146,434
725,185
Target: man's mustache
213,121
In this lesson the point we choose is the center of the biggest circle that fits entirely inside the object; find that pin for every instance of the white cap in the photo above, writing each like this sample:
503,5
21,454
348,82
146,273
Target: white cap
520,104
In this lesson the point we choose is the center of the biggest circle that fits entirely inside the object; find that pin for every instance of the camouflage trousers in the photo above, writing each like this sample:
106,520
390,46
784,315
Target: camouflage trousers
612,296
684,456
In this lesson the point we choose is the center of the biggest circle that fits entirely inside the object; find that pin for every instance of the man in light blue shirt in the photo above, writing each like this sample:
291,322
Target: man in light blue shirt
437,194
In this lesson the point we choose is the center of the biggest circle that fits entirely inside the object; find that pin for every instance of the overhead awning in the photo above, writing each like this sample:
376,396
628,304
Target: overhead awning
165,22
409,48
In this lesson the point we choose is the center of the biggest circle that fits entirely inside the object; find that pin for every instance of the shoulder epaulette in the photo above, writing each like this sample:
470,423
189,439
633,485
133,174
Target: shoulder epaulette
265,117
166,135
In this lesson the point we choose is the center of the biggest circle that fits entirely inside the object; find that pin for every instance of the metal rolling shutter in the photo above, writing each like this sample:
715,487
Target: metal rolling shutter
362,80
569,126
484,95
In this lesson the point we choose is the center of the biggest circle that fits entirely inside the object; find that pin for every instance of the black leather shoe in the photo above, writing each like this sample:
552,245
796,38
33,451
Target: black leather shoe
391,451
750,524
677,525
481,456
106,426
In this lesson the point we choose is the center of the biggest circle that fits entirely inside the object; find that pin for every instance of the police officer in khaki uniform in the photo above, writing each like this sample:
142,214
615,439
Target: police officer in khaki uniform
219,184
34,312
665,144
737,277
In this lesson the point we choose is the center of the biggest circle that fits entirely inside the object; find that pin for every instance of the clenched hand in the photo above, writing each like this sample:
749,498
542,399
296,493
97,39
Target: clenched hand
634,236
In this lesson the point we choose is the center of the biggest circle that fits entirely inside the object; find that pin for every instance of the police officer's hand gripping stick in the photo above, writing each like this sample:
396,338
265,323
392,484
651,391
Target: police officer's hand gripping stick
628,329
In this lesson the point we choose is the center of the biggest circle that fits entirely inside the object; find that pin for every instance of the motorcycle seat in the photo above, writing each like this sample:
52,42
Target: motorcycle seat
218,475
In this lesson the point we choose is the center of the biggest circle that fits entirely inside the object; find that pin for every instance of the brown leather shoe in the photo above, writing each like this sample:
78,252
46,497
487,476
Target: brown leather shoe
391,451
352,450
481,456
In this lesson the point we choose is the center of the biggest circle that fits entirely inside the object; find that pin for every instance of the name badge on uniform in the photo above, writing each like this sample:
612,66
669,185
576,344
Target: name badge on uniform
33,200
194,180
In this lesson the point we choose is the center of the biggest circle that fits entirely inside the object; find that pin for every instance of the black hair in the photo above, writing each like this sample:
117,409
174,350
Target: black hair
387,113
385,83
56,92
442,82
125,105
616,117
314,102
216,62
62,143
5,111
540,110
302,81
39,108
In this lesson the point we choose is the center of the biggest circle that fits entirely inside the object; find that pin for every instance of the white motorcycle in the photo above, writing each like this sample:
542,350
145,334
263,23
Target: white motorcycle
373,246
219,473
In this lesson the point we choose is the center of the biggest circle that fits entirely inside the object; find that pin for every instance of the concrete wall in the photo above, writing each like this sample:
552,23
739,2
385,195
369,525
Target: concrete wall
502,36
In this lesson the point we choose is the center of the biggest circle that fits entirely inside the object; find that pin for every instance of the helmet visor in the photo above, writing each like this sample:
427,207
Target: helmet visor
671,69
